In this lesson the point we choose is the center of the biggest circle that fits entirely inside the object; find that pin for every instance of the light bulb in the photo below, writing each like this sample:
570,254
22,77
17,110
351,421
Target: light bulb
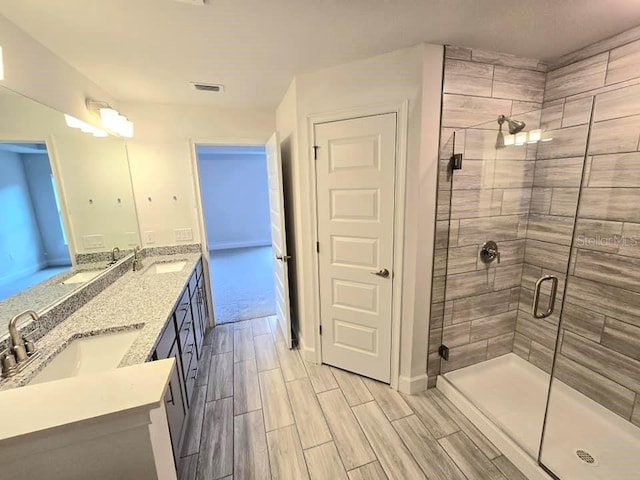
110,118
126,129
535,136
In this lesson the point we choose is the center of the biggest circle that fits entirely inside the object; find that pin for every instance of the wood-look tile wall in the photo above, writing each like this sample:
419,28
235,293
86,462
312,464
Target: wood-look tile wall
600,335
526,200
487,200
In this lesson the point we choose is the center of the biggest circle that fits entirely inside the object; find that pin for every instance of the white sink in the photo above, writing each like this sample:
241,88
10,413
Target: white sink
82,277
166,267
88,355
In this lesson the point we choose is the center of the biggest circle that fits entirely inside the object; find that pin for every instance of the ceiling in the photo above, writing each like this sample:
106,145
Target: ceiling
148,50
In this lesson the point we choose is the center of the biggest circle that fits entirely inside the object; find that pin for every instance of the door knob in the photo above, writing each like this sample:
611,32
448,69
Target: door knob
283,258
384,273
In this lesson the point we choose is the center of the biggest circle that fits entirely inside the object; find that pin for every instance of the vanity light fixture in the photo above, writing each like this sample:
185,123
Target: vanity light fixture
73,122
112,120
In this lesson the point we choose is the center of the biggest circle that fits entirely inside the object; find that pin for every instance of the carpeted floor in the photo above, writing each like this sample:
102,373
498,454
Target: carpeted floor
10,289
242,280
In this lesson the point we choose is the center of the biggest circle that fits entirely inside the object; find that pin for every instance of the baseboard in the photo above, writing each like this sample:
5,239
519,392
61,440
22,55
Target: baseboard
249,244
412,385
25,272
308,354
527,465
59,262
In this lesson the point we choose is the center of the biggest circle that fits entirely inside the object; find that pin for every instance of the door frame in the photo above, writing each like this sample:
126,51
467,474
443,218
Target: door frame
52,154
202,227
402,118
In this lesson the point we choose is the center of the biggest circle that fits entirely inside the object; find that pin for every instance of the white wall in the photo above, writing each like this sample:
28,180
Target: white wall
160,157
94,174
412,75
21,251
235,199
34,71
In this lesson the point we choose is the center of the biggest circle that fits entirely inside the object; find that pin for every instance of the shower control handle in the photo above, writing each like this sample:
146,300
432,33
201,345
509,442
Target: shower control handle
552,300
489,252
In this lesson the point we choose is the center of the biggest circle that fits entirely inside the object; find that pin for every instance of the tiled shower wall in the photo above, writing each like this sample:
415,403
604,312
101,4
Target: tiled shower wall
487,200
527,202
600,339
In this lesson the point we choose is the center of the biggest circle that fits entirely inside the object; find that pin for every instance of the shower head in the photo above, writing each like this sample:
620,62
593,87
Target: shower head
515,126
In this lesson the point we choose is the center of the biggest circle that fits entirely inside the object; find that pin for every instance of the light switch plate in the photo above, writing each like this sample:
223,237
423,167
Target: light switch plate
183,234
93,241
149,237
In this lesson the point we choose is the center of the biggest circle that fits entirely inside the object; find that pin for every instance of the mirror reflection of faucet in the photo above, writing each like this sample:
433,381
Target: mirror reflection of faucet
114,257
21,351
489,252
137,261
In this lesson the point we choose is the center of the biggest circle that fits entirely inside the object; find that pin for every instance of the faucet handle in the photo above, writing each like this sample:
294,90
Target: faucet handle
9,365
29,346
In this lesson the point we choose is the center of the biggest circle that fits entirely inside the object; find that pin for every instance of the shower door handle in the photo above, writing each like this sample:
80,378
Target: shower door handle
283,258
552,300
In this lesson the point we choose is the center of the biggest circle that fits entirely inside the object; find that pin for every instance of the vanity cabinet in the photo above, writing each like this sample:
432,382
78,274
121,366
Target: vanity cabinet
183,338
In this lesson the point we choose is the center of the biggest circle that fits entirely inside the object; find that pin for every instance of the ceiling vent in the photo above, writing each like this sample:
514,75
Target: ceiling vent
208,87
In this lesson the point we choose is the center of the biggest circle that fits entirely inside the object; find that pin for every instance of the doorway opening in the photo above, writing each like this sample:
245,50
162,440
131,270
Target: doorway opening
33,244
235,204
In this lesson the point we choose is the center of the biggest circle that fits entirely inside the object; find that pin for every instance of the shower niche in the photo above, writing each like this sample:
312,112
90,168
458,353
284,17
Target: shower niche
543,338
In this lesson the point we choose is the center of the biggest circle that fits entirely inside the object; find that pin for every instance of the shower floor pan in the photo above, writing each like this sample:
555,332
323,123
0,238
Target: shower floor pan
506,397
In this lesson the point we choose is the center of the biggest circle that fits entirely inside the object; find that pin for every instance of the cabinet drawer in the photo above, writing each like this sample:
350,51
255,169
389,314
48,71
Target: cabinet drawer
190,377
175,402
193,282
167,339
186,333
190,370
182,308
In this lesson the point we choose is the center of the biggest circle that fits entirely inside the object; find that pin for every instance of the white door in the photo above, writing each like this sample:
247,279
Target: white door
355,171
279,237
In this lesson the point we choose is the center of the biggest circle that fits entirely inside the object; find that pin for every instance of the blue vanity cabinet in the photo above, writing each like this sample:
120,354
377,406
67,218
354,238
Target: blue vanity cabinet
174,399
183,338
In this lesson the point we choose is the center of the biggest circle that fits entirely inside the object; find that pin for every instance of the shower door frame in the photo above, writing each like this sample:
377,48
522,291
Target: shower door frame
559,308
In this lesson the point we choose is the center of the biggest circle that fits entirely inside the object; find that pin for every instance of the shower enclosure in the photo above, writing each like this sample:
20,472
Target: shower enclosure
536,293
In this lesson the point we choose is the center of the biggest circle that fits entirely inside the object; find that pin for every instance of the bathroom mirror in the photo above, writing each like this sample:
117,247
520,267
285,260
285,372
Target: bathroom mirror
66,202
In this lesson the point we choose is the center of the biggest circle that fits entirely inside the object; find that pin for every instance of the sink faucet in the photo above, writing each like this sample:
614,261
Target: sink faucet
21,351
113,254
137,262
18,347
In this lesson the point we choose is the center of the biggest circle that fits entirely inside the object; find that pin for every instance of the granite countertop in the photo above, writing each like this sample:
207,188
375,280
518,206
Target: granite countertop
43,294
137,300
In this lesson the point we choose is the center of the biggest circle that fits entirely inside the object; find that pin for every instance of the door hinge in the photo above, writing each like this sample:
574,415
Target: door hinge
320,329
455,162
443,351
315,152
317,247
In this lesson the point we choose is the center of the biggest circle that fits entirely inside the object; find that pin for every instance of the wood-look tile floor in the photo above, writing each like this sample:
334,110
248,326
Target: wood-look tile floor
260,412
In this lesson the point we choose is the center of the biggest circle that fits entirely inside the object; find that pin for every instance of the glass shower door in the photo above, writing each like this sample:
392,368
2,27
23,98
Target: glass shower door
510,224
593,417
